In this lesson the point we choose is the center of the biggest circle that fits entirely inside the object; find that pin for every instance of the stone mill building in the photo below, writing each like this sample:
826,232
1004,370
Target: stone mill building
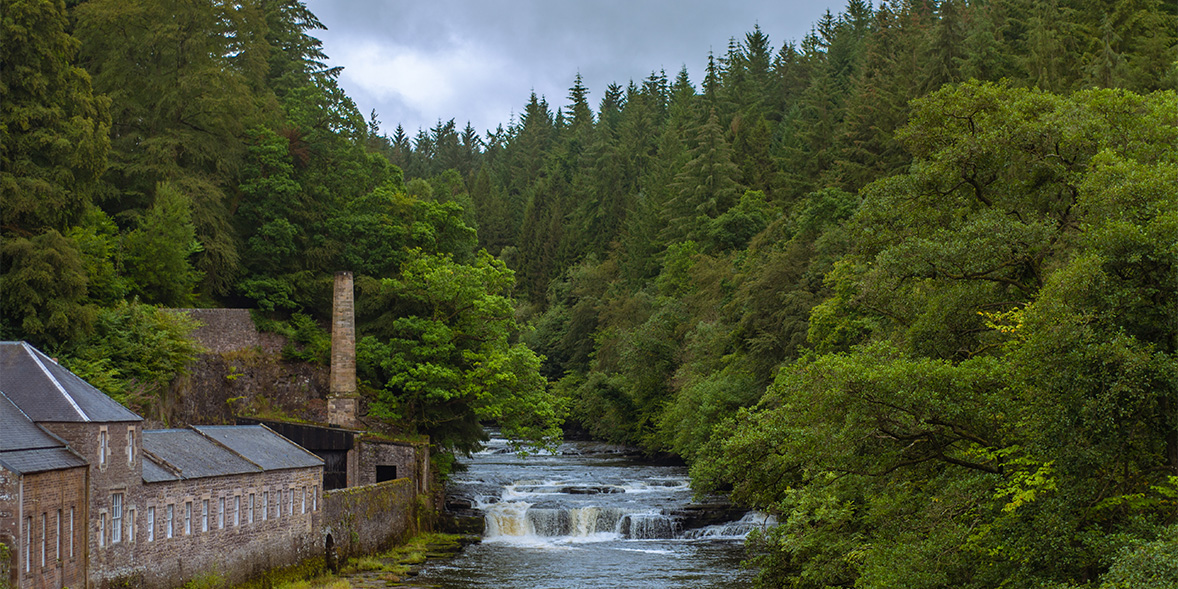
89,498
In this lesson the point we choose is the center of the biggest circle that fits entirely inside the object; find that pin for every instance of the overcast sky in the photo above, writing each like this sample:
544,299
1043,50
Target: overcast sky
420,61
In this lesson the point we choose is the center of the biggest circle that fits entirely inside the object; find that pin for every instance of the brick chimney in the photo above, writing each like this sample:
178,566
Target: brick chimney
342,407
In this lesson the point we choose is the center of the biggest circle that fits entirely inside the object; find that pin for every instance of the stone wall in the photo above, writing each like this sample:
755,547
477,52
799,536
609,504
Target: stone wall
362,520
233,546
251,382
116,473
410,460
51,499
230,330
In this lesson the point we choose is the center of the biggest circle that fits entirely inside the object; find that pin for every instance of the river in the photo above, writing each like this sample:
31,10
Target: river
588,515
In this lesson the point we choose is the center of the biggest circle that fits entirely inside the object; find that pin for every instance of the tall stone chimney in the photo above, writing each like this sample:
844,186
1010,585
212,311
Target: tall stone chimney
342,407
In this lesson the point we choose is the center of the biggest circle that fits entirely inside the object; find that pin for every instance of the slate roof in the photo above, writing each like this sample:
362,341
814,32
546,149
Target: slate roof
192,455
45,391
25,448
260,445
154,472
212,450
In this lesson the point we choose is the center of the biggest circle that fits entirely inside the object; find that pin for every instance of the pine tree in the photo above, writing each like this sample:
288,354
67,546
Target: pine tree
706,187
53,147
54,130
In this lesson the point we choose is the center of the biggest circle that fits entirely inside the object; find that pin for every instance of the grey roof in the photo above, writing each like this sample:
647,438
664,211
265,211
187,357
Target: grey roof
26,448
192,455
260,445
45,391
40,460
154,472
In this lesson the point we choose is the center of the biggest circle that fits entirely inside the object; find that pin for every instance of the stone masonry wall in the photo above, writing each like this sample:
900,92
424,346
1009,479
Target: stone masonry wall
116,473
410,460
10,514
367,519
232,546
51,499
220,386
229,330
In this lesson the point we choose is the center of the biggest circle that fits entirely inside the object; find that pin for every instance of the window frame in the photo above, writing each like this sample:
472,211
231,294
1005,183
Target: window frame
116,518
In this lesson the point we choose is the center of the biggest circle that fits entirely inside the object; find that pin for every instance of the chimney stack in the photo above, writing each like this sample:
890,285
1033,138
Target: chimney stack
342,400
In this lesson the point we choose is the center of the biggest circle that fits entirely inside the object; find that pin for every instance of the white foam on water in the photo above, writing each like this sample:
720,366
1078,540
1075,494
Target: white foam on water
648,551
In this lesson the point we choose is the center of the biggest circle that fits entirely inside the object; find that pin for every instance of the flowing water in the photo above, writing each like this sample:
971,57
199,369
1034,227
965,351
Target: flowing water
587,516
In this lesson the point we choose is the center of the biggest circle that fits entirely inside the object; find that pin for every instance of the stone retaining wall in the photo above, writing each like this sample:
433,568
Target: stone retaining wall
230,330
364,520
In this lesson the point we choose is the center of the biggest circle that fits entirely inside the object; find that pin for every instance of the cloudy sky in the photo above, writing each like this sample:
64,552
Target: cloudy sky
420,61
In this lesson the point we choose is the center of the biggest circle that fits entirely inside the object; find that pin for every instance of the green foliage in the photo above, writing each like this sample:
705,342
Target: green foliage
978,429
159,249
43,281
1150,565
440,356
54,129
307,341
135,353
928,324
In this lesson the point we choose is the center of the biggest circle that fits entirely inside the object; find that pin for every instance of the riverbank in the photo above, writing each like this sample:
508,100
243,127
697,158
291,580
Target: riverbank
396,567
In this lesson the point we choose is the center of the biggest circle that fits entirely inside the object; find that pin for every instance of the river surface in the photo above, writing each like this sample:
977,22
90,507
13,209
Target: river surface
589,515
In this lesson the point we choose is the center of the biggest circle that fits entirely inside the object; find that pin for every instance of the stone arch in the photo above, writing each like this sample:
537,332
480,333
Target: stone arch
329,557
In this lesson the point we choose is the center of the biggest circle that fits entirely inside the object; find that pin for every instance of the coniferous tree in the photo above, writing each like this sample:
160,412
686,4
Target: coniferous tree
53,148
707,186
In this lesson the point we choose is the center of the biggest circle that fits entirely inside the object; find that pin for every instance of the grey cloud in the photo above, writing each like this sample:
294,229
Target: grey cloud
544,44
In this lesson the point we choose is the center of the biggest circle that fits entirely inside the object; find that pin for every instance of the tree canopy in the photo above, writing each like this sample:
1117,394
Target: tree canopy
908,283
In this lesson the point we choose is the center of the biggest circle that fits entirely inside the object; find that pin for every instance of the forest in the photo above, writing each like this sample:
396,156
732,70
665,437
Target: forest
909,284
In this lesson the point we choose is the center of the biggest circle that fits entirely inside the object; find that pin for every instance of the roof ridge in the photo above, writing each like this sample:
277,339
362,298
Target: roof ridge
168,466
196,428
33,352
291,442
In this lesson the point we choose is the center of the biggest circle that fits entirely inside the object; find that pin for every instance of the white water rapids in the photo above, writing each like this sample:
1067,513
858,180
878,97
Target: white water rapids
589,515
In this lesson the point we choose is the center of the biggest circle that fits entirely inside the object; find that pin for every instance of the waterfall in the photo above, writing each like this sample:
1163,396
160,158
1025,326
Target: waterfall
753,520
648,526
585,513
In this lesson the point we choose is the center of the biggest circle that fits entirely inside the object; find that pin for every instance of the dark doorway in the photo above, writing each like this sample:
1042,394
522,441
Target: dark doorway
385,472
335,469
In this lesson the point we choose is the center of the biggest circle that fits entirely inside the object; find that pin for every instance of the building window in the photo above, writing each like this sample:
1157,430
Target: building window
221,513
57,549
151,524
251,506
290,501
187,518
265,505
131,525
304,500
386,472
278,503
315,498
168,518
29,544
44,536
116,518
101,530
237,510
71,532
102,447
130,445
204,515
